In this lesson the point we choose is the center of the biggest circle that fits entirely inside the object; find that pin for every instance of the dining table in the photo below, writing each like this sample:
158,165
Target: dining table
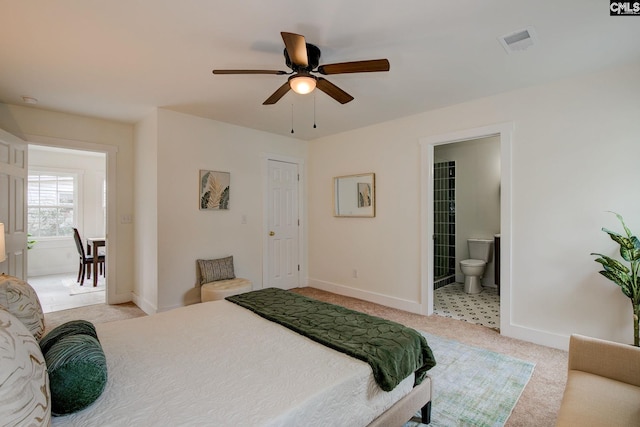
93,243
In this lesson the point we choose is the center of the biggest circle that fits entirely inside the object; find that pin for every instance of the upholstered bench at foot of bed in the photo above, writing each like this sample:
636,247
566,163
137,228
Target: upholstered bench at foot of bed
221,289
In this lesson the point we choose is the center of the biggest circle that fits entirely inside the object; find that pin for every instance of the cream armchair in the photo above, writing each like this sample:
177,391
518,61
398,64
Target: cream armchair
603,384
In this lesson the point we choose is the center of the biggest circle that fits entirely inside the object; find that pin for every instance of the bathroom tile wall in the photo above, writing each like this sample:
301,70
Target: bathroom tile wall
444,211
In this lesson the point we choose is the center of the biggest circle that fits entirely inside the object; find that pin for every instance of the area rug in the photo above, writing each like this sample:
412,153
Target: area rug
473,386
76,289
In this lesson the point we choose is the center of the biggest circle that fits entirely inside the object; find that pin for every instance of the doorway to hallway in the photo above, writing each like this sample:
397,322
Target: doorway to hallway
66,189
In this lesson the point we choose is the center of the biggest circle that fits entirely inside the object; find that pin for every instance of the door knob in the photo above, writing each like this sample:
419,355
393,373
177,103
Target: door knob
271,233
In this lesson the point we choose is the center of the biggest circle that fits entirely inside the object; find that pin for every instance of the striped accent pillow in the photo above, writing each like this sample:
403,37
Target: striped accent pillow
73,327
19,299
77,372
24,383
212,270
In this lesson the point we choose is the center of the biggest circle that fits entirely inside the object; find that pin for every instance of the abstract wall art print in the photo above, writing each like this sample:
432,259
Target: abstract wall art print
364,194
214,190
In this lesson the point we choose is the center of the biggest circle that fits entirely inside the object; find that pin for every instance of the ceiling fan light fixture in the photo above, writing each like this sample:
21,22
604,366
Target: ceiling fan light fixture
302,84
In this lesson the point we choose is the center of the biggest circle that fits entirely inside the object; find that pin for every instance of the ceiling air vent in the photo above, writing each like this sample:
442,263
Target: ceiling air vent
518,41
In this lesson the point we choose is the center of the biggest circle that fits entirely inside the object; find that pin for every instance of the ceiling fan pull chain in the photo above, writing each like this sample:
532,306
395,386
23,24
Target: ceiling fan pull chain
314,110
291,118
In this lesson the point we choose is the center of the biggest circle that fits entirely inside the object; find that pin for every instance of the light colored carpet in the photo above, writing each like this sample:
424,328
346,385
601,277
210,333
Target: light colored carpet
473,386
98,313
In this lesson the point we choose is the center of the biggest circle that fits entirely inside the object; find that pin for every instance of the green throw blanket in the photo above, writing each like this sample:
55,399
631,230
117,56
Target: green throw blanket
392,350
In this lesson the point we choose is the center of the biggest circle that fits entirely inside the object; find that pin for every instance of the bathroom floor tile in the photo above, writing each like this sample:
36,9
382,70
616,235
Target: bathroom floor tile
482,309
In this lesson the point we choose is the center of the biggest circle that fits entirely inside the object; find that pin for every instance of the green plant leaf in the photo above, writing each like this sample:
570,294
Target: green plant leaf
619,238
611,263
627,254
626,229
635,252
618,280
627,291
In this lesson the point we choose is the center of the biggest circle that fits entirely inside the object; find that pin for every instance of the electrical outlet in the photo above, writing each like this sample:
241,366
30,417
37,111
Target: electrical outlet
355,273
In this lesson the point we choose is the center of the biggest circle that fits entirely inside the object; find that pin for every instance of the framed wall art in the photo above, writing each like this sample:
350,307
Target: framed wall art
214,190
354,195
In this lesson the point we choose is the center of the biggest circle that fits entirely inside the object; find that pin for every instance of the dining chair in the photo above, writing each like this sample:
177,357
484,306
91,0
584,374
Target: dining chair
86,261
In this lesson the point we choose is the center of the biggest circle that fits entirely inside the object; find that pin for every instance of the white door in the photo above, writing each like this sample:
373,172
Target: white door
283,225
13,192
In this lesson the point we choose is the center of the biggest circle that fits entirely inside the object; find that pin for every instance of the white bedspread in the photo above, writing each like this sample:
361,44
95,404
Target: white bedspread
218,364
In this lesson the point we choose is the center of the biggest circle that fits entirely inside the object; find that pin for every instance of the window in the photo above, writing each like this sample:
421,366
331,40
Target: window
51,203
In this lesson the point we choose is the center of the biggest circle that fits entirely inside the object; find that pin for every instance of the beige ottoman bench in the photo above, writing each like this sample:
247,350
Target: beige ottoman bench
221,289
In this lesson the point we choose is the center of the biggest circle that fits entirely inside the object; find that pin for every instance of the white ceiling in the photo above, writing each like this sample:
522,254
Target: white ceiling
119,59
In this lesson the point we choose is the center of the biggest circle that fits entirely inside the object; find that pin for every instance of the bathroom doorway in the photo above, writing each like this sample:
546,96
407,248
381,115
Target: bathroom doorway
466,194
478,206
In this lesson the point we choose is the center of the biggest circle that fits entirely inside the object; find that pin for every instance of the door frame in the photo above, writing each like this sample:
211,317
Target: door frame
111,229
302,276
504,131
15,227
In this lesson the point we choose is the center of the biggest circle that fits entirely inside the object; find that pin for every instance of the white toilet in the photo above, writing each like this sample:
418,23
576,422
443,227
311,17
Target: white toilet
473,268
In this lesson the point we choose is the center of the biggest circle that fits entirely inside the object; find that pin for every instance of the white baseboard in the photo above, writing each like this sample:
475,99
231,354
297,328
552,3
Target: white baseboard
119,298
50,271
536,336
386,300
523,333
144,305
191,301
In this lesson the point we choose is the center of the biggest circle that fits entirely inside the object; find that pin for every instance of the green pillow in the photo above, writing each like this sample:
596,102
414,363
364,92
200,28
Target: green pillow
77,373
73,327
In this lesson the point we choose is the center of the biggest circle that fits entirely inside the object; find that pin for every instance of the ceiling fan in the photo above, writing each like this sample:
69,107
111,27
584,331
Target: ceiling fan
303,59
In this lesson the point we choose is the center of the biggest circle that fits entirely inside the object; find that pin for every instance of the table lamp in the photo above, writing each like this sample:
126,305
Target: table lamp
3,255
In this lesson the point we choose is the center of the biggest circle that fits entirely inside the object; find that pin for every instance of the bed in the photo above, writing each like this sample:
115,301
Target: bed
218,363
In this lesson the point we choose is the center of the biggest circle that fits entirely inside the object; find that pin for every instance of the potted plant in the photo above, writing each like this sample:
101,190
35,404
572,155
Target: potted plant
30,241
623,276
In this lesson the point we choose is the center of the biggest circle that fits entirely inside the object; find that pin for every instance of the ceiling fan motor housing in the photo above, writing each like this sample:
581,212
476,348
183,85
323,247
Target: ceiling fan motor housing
313,58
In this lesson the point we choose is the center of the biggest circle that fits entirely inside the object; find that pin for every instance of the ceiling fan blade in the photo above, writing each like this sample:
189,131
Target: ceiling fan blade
282,90
296,48
370,66
333,91
249,72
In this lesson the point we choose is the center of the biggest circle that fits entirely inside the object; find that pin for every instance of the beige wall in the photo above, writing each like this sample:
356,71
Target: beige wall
185,144
145,292
575,146
73,131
